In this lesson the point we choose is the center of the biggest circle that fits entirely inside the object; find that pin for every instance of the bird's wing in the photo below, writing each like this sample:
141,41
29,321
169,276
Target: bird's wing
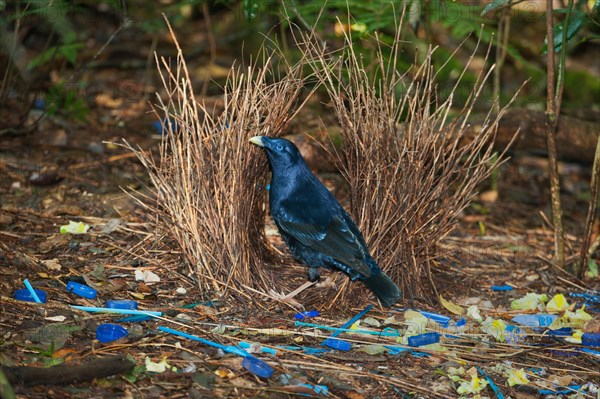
336,241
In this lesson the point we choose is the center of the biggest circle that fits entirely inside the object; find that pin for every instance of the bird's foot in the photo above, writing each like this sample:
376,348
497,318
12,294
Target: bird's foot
289,298
328,283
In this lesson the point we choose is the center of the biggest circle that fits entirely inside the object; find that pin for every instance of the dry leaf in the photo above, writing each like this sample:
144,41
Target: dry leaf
451,306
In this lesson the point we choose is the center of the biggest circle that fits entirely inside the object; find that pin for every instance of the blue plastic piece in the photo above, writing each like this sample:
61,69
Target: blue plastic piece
590,351
121,304
461,322
307,314
257,367
110,332
165,126
25,295
438,318
424,339
343,344
590,339
513,334
561,332
570,389
502,288
338,344
494,387
253,365
319,389
263,349
535,320
39,104
81,290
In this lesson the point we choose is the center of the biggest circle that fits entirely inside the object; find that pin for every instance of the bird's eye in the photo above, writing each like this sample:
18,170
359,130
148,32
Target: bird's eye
279,147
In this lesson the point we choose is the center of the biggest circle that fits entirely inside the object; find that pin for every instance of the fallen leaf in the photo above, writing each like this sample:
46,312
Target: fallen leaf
451,306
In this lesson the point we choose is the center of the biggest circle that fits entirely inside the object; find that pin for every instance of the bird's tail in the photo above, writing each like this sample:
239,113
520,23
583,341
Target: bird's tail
384,288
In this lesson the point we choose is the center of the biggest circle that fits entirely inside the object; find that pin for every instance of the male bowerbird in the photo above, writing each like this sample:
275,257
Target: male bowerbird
313,224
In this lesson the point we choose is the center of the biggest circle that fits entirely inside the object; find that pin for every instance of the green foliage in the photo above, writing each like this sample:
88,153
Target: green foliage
65,100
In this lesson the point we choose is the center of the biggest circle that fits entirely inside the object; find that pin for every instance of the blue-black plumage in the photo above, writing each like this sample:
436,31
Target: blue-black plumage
313,224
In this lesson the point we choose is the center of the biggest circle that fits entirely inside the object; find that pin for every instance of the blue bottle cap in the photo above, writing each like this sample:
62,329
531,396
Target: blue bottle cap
81,290
338,344
121,304
25,295
110,332
304,315
590,339
257,367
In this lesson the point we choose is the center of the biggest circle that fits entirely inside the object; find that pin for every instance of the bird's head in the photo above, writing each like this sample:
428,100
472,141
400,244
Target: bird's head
282,153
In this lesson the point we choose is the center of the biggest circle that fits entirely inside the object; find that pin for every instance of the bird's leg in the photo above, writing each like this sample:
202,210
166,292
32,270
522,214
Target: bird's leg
289,298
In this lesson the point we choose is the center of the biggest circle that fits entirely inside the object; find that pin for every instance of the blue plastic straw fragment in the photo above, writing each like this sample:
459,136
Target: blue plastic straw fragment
34,295
501,288
494,387
569,389
118,311
263,349
319,389
250,363
438,318
334,343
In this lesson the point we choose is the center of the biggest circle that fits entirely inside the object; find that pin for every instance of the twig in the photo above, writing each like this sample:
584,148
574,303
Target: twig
552,115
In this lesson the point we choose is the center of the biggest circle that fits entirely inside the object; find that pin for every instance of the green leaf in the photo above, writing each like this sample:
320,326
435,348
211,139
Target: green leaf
592,268
494,5
250,9
576,22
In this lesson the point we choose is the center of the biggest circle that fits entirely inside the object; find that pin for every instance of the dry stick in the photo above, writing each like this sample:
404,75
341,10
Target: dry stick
589,223
552,115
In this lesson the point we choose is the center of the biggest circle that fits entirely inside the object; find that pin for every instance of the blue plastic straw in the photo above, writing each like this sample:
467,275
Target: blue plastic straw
253,365
335,343
494,387
263,349
118,311
34,295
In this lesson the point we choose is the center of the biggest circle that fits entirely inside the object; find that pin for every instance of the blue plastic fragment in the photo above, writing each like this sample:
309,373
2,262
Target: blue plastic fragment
319,389
346,325
165,126
25,295
461,322
263,349
250,363
535,320
39,104
257,367
501,288
590,351
121,304
438,318
419,354
424,339
110,332
494,387
561,332
590,339
590,296
513,334
307,314
338,344
81,290
569,389
32,292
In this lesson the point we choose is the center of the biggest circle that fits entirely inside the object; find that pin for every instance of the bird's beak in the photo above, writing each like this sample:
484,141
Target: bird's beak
258,140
